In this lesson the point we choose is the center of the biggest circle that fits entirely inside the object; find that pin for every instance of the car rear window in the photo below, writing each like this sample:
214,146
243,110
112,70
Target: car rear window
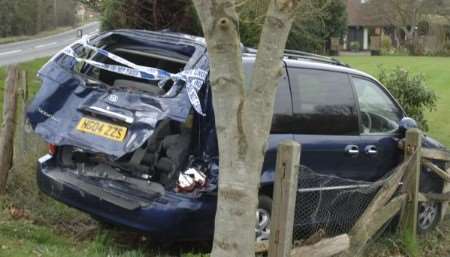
172,58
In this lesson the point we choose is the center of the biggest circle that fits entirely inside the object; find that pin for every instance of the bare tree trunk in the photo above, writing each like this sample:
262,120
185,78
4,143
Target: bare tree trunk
243,114
8,126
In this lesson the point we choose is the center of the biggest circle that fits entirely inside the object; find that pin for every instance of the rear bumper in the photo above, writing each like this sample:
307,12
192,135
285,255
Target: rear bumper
168,217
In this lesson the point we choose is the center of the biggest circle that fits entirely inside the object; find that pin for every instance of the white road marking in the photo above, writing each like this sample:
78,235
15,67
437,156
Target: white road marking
11,52
45,45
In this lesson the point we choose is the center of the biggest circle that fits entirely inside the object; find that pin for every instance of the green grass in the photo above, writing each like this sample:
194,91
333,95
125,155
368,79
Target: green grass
437,73
23,239
434,244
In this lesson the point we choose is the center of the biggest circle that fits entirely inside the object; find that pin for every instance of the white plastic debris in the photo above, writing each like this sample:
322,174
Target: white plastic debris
190,179
198,176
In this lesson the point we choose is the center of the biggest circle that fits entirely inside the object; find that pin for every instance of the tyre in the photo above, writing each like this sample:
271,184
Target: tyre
263,218
429,213
428,217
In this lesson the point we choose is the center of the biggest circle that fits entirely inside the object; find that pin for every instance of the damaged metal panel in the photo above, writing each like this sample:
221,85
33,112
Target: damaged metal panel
66,96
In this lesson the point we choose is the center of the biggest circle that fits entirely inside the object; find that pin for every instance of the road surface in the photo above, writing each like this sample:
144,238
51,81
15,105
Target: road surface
31,49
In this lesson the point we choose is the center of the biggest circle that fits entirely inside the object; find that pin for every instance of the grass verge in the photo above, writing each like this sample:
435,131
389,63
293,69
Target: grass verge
23,238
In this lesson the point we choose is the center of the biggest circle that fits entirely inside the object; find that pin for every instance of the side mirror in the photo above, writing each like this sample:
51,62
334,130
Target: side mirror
405,124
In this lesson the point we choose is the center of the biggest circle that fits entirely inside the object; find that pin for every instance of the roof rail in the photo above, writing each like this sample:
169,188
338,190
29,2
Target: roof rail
294,54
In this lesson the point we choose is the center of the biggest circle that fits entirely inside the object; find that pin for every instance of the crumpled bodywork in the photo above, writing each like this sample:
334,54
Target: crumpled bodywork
67,95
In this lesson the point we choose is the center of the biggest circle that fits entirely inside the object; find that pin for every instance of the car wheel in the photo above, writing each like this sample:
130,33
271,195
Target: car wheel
429,213
428,217
263,218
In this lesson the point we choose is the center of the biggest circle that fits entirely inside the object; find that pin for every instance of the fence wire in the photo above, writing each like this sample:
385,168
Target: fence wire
328,205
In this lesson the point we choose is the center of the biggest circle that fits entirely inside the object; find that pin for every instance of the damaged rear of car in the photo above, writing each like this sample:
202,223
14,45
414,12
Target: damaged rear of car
121,113
129,118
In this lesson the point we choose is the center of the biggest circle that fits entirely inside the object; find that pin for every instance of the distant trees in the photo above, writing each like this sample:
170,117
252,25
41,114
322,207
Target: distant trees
311,31
28,17
176,15
320,19
95,5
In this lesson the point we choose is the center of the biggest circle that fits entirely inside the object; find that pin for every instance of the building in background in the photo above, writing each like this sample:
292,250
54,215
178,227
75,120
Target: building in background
364,30
371,31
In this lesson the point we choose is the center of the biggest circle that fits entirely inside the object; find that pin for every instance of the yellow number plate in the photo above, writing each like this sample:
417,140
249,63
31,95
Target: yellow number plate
102,129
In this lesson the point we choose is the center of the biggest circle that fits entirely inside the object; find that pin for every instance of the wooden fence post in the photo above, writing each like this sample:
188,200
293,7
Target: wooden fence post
23,101
408,219
284,198
445,190
8,126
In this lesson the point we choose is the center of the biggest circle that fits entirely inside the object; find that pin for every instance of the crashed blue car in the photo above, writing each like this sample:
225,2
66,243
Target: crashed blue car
129,121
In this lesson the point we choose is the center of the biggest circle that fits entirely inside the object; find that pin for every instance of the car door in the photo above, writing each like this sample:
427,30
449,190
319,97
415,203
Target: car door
326,121
380,116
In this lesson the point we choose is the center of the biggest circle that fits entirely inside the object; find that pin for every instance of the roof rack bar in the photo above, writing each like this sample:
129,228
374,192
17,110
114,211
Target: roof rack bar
294,54
302,53
314,57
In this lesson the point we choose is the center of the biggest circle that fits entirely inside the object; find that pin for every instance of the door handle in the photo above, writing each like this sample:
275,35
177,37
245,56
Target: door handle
352,149
371,150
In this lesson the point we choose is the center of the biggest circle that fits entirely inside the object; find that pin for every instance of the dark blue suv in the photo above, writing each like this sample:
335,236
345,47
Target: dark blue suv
126,112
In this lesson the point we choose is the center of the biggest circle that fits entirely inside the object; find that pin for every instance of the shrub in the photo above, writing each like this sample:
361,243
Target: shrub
355,46
175,15
412,92
386,44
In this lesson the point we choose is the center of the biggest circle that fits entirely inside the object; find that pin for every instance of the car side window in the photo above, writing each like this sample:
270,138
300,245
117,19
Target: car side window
379,114
324,103
282,114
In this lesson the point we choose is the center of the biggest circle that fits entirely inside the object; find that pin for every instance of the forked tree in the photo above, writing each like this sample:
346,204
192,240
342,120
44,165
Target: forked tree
243,114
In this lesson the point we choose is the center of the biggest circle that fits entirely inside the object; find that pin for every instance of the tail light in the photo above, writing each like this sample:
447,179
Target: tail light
52,149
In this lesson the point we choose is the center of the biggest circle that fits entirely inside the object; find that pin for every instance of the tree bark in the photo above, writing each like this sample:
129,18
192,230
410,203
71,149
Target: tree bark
8,126
243,114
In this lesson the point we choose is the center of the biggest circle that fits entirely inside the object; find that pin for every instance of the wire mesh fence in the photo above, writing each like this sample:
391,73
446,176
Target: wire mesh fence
328,205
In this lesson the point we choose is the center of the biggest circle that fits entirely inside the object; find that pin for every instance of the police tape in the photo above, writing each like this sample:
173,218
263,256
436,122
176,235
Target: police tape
194,79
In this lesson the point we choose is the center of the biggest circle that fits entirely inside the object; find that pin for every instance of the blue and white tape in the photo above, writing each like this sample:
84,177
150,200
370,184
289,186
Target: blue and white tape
194,79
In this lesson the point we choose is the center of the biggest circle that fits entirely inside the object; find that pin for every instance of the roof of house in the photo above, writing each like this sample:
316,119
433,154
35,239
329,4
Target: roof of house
359,15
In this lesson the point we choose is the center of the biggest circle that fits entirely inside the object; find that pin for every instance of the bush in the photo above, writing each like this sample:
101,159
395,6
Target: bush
412,92
355,46
386,44
151,15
